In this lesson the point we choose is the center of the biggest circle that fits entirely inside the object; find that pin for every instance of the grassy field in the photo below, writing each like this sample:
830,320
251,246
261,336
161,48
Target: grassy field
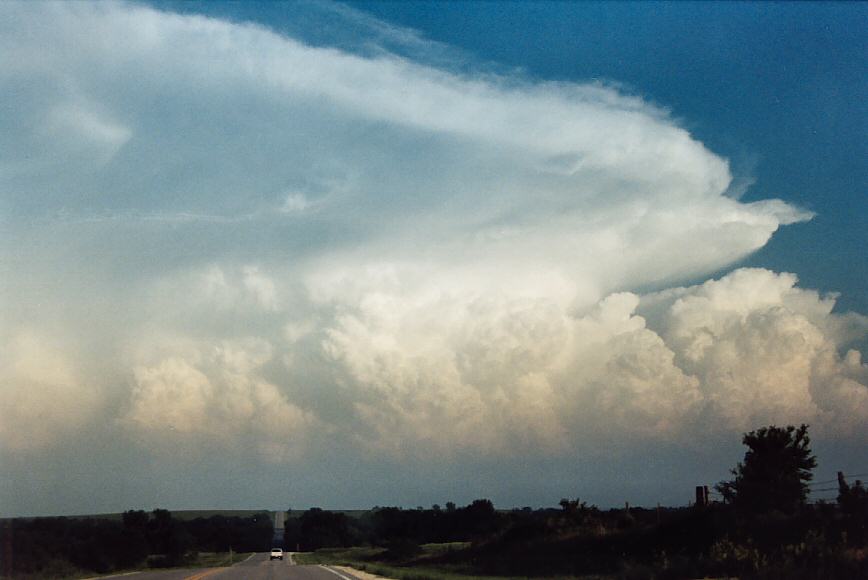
220,559
363,559
203,560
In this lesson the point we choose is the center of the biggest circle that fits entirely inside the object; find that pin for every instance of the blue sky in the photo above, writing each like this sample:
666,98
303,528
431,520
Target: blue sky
315,253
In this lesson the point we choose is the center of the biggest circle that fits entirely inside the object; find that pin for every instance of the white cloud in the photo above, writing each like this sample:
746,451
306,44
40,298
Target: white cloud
197,295
80,128
260,288
468,288
766,352
42,396
215,396
295,203
508,376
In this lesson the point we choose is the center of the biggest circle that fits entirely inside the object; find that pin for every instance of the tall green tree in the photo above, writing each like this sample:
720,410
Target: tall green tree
775,473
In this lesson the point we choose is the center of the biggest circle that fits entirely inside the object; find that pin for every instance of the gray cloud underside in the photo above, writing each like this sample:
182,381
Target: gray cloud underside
218,237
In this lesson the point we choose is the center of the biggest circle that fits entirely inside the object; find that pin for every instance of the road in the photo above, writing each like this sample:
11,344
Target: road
258,567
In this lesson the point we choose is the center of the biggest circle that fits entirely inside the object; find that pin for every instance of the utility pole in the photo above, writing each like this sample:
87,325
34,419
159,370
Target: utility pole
701,496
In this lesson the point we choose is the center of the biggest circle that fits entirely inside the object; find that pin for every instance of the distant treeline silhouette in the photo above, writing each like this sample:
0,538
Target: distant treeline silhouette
317,528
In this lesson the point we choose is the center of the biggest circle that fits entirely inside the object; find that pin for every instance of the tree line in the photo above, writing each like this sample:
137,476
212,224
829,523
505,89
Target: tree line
392,526
62,546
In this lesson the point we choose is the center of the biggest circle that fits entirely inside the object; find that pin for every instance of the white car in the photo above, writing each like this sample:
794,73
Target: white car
276,553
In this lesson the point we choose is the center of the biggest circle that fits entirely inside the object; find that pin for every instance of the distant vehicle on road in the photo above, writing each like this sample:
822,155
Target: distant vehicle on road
276,553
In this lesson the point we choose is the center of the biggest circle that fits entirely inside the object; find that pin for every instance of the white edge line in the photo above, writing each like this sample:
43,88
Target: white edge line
336,573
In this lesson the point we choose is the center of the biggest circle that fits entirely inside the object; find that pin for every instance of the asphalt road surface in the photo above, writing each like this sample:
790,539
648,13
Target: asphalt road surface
258,567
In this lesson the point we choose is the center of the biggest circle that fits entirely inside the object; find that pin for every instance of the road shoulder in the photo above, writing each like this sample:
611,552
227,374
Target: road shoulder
356,573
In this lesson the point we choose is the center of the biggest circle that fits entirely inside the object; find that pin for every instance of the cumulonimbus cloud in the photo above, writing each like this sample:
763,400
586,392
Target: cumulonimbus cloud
274,241
196,400
748,349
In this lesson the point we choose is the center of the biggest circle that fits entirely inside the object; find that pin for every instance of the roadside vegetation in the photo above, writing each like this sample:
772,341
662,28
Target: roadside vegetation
77,547
374,561
379,562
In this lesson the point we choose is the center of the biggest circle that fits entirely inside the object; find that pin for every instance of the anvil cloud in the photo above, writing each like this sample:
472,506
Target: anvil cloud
215,236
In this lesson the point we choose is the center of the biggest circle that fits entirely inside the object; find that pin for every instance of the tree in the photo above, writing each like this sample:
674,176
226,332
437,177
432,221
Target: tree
168,536
775,472
135,520
853,501
575,510
479,518
324,529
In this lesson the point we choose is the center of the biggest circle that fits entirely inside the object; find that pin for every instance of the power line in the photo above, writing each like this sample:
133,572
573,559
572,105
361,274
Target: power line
836,479
822,482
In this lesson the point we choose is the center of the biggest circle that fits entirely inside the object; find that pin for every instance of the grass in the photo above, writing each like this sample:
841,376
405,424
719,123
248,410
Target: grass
437,549
338,556
203,560
219,559
363,559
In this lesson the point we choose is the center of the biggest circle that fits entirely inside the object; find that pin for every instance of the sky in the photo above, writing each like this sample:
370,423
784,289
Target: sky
353,254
